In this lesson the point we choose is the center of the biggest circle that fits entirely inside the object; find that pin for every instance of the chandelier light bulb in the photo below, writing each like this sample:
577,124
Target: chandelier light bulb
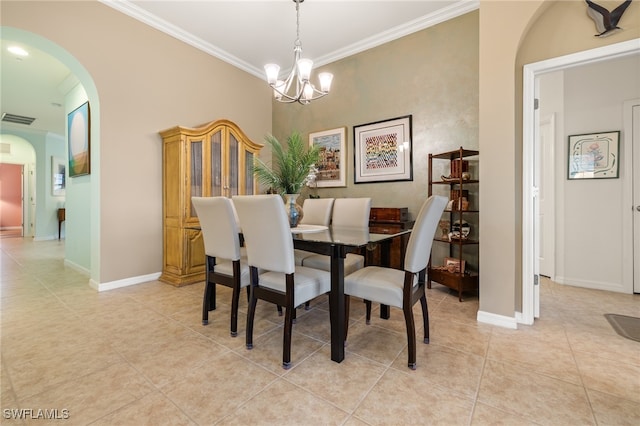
325,81
307,92
272,71
304,69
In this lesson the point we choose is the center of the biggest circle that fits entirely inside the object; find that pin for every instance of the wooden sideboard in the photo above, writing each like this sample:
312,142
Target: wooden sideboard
388,220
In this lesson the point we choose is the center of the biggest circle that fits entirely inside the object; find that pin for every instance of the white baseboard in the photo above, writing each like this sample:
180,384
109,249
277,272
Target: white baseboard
76,267
499,320
112,285
596,285
45,238
520,319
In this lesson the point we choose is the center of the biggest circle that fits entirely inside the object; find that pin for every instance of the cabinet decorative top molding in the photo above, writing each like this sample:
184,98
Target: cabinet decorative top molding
209,127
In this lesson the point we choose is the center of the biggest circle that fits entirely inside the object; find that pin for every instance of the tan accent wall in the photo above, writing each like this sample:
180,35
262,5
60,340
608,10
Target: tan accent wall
430,74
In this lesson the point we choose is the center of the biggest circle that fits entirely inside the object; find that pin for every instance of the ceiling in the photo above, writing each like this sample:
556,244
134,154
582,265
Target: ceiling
244,33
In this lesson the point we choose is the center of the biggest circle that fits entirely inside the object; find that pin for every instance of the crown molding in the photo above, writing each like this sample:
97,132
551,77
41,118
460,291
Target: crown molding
460,8
450,12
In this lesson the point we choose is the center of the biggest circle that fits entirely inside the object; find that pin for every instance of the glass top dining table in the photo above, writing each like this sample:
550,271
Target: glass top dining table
336,242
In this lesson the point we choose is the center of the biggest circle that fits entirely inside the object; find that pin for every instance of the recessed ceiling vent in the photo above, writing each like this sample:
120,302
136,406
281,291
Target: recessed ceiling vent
18,119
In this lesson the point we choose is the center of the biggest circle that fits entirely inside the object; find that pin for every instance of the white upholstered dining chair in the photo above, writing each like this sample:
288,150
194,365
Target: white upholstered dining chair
274,275
223,266
402,289
316,211
347,213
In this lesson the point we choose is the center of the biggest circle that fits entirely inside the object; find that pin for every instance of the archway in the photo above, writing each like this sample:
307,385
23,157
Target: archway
85,203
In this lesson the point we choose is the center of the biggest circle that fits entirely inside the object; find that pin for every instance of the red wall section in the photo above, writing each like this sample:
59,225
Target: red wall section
10,195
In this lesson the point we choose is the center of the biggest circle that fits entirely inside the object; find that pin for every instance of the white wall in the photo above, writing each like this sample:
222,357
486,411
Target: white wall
589,212
78,196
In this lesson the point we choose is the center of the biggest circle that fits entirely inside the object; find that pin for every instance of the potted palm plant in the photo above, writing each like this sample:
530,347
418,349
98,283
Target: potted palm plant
291,169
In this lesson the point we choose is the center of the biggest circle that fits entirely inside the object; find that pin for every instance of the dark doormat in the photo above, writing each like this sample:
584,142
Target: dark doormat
625,326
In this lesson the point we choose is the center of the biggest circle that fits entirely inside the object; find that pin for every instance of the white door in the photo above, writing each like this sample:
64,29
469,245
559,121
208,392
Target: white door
635,171
29,226
545,182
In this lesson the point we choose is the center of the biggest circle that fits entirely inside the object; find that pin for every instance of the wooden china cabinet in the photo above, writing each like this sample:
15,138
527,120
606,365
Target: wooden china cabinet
215,159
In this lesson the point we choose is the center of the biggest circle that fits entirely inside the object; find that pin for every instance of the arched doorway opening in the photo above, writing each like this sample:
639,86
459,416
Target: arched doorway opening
82,201
17,187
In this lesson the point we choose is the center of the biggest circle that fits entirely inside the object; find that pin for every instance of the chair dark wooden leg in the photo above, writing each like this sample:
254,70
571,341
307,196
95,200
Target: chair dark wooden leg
367,303
209,298
253,301
250,316
425,317
212,296
206,302
289,314
286,342
411,335
307,304
235,298
279,310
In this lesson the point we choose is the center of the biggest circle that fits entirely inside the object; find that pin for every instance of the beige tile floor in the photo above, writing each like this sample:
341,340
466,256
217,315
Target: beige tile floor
139,355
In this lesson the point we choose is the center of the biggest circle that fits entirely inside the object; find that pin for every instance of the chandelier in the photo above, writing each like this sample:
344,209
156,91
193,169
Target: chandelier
297,87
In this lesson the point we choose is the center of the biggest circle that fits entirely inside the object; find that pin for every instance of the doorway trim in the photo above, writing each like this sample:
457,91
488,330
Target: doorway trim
529,190
630,239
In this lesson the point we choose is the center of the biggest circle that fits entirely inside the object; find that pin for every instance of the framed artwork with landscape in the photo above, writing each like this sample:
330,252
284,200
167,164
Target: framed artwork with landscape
79,128
383,151
332,165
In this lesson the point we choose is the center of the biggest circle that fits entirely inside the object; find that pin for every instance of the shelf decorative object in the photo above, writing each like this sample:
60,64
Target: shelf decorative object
455,273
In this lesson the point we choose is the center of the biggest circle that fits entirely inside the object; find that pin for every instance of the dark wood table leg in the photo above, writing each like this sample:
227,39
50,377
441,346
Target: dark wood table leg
336,304
385,260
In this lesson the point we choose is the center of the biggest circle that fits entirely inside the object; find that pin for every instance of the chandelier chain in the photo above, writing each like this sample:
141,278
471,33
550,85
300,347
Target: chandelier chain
297,21
297,87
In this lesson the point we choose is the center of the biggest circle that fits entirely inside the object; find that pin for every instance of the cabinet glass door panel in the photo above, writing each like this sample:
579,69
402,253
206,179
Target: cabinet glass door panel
248,173
196,172
233,165
216,164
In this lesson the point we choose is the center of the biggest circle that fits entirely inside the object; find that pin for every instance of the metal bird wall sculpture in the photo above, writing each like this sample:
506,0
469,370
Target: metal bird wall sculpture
606,22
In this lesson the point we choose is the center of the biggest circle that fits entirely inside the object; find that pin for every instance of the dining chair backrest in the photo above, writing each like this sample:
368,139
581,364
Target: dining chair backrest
424,229
266,232
351,212
219,227
317,211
